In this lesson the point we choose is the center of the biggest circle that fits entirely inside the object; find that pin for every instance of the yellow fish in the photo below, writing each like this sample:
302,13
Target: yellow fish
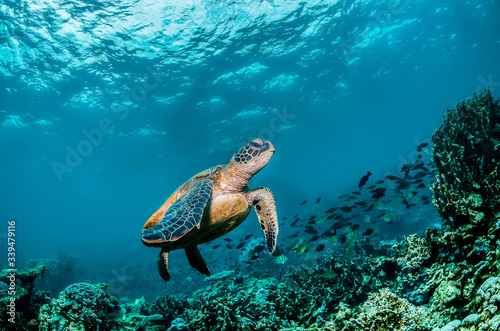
367,218
301,249
350,243
379,204
321,219
352,235
398,196
330,274
297,242
335,240
386,217
413,200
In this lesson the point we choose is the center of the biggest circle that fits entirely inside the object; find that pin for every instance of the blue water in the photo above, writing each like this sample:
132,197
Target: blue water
106,107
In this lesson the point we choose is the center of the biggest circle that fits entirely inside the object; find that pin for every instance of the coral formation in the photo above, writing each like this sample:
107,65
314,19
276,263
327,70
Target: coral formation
466,158
27,301
80,306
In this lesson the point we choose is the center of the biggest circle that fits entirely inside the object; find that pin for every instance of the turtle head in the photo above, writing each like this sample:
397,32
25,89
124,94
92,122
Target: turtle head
252,157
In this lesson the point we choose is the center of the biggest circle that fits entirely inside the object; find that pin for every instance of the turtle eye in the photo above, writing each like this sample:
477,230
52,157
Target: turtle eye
254,143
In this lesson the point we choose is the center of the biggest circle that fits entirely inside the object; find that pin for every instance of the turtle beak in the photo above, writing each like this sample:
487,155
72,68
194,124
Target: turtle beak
269,147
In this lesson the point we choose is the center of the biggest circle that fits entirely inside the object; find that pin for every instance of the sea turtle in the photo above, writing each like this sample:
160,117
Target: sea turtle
212,203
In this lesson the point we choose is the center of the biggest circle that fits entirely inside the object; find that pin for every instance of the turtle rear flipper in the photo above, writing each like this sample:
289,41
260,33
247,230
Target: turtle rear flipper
184,215
265,207
196,260
163,265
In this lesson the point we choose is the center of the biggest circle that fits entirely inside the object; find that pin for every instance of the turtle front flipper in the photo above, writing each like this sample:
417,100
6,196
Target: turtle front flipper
265,207
181,217
163,265
196,260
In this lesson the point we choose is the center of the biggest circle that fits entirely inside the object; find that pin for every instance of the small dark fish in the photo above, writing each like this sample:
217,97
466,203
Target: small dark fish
426,202
418,165
361,203
311,230
418,181
303,202
314,238
338,225
378,190
420,174
406,167
379,182
395,178
424,197
294,222
364,179
327,233
318,200
422,145
339,217
312,217
352,197
369,208
425,169
248,236
378,195
419,156
296,215
240,245
258,248
371,187
368,232
284,218
228,239
254,257
356,192
331,210
294,235
330,217
229,246
320,247
346,209
215,246
343,239
355,227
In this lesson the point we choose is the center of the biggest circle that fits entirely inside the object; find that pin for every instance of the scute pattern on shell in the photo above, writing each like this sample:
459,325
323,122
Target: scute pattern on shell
184,214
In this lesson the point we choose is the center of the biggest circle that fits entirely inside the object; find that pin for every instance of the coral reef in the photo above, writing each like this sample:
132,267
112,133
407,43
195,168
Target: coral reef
385,311
466,158
80,306
26,302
